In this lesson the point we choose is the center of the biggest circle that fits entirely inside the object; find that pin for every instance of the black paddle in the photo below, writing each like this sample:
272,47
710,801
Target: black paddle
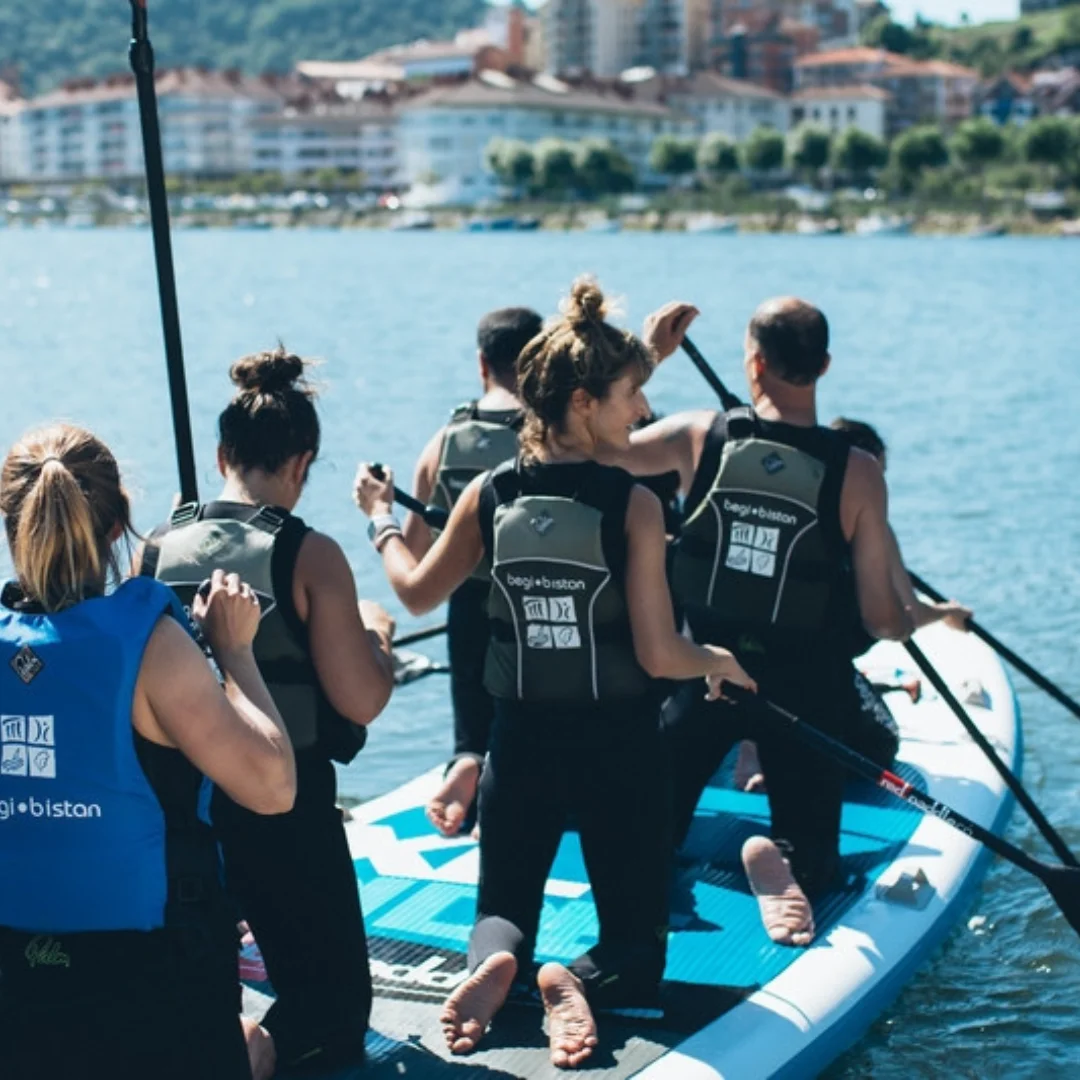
141,56
729,401
1040,680
434,516
1061,849
1063,882
419,635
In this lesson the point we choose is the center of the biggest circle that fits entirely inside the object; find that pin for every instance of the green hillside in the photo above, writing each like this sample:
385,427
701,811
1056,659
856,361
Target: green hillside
49,42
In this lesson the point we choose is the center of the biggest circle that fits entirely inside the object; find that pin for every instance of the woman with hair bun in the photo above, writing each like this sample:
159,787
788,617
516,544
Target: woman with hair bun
117,943
582,630
326,661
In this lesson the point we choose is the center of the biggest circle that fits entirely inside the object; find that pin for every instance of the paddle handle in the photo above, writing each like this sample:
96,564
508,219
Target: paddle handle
434,516
884,779
1021,665
1053,838
727,399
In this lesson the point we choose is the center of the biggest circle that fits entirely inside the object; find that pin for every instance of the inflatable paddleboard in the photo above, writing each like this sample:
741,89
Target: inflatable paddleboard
736,1005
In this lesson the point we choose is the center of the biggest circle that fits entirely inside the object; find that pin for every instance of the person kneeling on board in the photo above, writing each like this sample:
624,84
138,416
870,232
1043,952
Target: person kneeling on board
480,435
117,942
777,507
327,663
581,627
874,733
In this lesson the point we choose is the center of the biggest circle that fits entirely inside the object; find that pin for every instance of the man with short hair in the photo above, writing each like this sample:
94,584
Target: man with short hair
480,435
777,508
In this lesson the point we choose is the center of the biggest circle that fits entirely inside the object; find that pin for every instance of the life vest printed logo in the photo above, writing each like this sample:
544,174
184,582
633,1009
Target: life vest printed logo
543,523
27,664
773,463
551,623
753,549
28,746
483,442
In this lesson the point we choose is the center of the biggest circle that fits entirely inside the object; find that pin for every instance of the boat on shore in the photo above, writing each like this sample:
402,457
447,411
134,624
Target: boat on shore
883,225
715,224
735,1005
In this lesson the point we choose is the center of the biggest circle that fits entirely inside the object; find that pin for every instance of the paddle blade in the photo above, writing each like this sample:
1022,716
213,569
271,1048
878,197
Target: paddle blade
1064,885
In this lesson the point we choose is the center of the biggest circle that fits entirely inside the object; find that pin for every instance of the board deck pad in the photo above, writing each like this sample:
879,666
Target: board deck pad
418,928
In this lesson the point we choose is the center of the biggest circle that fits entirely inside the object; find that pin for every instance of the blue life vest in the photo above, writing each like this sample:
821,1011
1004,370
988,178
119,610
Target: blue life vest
82,834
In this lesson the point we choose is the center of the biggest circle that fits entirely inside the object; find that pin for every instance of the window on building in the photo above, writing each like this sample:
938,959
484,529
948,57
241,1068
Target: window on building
851,113
440,142
817,113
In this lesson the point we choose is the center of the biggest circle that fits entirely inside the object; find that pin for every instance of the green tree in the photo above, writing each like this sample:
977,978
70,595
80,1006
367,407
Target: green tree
512,161
919,148
808,149
978,143
1049,141
717,156
602,169
763,151
858,153
555,171
882,33
671,156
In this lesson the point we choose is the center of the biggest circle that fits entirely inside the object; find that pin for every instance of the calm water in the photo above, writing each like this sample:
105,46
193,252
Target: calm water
965,353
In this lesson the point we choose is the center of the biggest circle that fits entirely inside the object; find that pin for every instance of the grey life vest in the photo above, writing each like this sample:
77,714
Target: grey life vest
475,441
560,630
761,554
243,539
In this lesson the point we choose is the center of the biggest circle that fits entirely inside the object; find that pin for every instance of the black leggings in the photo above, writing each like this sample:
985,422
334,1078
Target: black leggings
294,881
806,789
467,632
605,768
127,1006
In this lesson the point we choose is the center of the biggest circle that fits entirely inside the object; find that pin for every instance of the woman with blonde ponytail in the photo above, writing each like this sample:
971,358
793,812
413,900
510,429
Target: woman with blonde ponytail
582,632
117,945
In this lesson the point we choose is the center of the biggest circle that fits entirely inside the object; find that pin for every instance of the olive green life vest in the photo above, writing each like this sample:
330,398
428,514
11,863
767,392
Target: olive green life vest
474,442
560,630
240,539
756,556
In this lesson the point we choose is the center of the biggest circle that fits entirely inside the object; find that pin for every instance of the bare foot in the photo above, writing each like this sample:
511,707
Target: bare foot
262,1055
571,1028
748,774
785,910
446,809
469,1009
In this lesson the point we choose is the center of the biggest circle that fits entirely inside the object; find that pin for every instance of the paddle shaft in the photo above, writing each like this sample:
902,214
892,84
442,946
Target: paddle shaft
434,516
888,781
1053,838
141,57
419,635
727,399
1040,680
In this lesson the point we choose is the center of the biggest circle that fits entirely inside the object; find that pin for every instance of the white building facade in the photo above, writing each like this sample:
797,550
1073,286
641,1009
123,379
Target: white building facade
837,108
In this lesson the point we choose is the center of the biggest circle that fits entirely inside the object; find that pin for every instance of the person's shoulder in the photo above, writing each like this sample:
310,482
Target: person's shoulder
321,558
864,479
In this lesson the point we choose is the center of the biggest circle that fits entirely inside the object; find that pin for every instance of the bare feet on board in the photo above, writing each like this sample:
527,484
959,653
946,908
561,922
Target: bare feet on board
469,1009
260,1047
571,1028
446,809
785,910
748,774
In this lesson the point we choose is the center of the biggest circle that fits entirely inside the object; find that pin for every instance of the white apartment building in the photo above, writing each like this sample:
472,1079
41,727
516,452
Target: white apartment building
601,37
12,156
445,131
89,129
840,107
355,135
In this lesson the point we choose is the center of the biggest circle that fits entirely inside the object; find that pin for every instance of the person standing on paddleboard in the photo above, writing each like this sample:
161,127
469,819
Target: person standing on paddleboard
327,663
777,509
117,942
480,435
581,629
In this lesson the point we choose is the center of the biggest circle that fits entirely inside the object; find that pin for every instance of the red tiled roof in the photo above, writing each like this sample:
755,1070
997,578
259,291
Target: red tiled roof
861,55
193,82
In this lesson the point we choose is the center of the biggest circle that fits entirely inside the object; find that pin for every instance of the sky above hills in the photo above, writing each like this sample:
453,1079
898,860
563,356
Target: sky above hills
949,11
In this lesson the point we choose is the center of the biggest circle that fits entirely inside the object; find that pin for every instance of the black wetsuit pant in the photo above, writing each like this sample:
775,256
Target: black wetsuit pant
122,1006
293,880
805,788
468,630
604,768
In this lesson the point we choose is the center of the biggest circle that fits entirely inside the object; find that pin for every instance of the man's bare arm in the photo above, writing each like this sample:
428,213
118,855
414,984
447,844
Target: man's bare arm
672,444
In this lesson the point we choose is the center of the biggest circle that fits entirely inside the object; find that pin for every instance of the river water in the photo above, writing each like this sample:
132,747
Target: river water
965,353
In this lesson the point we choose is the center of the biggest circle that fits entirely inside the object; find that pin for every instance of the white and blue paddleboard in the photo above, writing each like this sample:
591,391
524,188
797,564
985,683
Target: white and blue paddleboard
737,1006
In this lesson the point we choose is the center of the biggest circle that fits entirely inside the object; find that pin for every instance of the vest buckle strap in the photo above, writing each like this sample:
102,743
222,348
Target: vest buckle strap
269,518
184,514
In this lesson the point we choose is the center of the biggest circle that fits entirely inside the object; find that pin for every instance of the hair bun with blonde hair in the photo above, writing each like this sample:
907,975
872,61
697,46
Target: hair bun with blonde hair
585,304
268,372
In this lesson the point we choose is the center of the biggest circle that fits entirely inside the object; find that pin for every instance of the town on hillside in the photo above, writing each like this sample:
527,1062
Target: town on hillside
648,106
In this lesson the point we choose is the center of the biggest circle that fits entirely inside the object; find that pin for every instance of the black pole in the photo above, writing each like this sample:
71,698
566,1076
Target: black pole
419,635
141,56
1021,665
727,399
1053,838
434,516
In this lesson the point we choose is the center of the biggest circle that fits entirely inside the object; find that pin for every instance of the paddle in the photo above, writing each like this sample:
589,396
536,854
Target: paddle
1063,882
1061,849
434,516
1006,653
419,635
141,57
1014,784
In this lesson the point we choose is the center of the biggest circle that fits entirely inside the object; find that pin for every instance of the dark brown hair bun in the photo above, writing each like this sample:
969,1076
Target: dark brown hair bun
269,372
585,304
